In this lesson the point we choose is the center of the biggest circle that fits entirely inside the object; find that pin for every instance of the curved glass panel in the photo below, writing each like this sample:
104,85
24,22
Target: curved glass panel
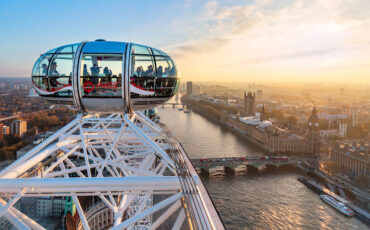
143,66
142,80
165,87
137,49
101,75
165,67
61,65
39,74
74,47
66,49
158,52
152,76
41,84
41,66
60,72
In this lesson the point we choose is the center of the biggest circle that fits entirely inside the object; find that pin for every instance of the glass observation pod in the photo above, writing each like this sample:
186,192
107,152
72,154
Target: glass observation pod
106,76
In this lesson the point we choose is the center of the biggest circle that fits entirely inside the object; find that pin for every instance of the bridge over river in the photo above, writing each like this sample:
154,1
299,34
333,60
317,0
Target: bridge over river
244,164
173,104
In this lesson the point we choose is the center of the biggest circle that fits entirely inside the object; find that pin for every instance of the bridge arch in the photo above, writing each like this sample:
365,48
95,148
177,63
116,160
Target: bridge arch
271,167
286,166
252,168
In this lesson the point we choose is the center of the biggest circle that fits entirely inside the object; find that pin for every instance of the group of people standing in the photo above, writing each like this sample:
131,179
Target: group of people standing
150,72
52,71
95,71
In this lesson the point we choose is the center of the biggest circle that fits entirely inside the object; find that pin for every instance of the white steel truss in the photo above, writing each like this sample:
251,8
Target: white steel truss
138,175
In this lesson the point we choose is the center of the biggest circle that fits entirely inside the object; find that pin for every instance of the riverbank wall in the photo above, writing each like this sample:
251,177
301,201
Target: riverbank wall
231,128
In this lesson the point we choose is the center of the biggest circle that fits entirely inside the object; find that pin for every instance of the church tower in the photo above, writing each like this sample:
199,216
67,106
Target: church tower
313,133
249,104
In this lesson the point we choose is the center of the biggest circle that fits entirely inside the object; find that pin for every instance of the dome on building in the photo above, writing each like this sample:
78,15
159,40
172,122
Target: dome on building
106,76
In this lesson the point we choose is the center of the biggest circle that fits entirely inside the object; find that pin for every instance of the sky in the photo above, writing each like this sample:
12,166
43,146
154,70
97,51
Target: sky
230,40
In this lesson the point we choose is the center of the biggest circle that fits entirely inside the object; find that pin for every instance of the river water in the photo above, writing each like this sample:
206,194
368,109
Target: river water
253,201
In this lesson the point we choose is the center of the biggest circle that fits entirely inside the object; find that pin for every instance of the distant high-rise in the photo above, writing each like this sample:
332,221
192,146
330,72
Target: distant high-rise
189,88
18,127
249,104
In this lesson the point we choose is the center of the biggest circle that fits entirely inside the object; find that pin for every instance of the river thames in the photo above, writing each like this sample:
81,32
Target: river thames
253,201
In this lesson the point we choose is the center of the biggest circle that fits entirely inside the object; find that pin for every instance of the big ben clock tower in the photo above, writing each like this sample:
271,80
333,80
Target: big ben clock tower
313,133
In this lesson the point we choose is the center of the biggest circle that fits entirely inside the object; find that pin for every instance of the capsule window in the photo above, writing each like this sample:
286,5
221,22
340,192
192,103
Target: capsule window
142,79
143,66
61,65
137,49
165,87
101,75
74,48
158,52
66,49
41,84
165,67
60,72
39,74
41,66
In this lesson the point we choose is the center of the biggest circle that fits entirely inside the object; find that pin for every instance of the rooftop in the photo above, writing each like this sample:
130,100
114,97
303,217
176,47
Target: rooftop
356,148
255,120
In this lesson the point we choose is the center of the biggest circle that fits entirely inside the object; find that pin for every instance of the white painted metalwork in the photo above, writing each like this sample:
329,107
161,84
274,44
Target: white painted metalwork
136,174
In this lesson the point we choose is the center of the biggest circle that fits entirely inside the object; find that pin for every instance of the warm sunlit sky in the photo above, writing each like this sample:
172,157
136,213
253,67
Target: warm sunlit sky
230,40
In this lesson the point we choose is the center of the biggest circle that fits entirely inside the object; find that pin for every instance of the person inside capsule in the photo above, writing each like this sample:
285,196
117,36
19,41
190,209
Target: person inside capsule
152,74
85,71
44,69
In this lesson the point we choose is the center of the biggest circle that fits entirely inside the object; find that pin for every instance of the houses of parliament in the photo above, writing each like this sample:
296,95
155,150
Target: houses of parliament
257,128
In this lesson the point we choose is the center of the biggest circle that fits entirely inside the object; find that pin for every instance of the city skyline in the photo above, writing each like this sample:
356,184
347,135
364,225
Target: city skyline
261,146
264,40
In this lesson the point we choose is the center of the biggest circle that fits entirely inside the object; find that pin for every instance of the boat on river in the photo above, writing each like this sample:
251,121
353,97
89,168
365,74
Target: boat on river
339,206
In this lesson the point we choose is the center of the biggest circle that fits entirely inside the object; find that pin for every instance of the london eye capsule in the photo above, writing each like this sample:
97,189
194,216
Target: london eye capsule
106,76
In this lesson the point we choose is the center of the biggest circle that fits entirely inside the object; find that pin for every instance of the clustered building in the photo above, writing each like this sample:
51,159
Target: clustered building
18,127
270,137
38,207
352,156
336,124
4,130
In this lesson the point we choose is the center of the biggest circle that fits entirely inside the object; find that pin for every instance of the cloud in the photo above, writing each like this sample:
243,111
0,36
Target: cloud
207,45
294,55
263,2
305,34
